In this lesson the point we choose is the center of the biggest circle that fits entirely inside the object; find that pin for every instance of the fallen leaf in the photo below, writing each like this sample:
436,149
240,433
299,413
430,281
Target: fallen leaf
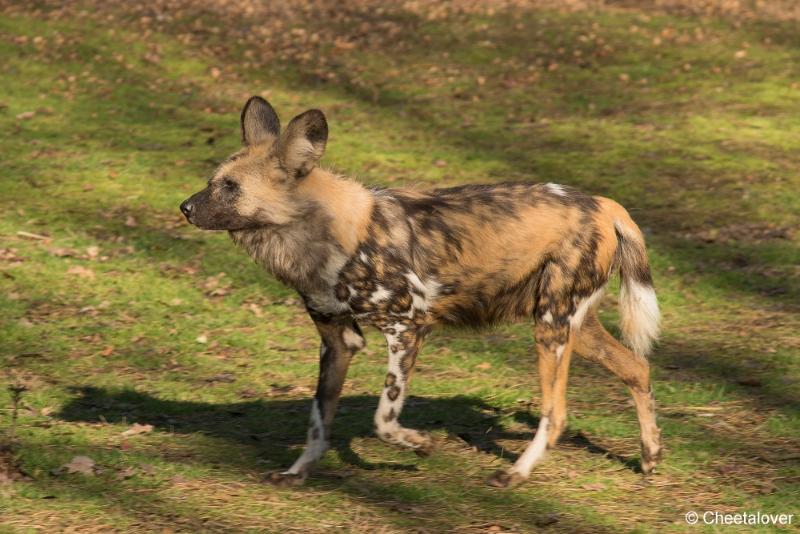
343,44
10,255
136,429
219,292
31,235
256,309
224,377
594,486
92,252
214,287
126,473
25,115
79,464
282,390
484,365
83,272
202,338
549,519
130,222
62,252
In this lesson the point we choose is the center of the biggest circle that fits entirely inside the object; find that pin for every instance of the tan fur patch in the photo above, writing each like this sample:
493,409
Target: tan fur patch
347,203
604,220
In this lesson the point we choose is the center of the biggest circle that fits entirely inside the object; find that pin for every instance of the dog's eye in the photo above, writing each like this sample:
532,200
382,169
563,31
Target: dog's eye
227,183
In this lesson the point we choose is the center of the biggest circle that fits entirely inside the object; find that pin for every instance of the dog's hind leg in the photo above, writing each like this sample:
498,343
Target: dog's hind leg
341,338
554,347
595,344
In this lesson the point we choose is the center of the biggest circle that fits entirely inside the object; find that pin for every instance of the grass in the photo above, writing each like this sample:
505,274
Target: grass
113,311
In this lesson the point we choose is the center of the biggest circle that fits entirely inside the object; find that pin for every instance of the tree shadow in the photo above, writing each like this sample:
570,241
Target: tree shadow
666,210
391,500
748,375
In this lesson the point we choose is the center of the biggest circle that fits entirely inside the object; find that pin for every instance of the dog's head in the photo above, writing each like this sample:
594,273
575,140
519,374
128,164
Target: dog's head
255,187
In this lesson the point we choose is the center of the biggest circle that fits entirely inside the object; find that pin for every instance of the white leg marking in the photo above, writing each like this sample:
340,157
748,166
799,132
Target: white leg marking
387,425
548,317
560,352
419,302
534,452
576,319
386,405
380,293
353,340
315,446
425,292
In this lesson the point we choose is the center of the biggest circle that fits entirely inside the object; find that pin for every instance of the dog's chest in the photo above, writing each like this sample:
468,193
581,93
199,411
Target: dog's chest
375,288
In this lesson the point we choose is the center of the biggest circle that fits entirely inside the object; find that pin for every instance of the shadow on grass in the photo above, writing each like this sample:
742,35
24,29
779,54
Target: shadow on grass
282,422
271,428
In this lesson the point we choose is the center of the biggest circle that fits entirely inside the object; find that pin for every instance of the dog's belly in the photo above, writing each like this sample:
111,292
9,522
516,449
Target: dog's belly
486,302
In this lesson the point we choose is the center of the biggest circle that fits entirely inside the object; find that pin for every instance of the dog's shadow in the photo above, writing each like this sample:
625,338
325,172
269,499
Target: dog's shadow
276,426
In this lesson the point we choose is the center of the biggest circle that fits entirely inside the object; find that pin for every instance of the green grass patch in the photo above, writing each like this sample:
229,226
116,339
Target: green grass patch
113,311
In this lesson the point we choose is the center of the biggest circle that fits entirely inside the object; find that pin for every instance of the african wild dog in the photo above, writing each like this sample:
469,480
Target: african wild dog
404,261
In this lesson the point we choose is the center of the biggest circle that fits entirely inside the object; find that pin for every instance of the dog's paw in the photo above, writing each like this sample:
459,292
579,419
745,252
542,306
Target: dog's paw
505,479
426,447
421,443
648,466
651,458
282,479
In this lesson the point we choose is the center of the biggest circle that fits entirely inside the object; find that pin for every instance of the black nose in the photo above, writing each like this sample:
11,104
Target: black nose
187,207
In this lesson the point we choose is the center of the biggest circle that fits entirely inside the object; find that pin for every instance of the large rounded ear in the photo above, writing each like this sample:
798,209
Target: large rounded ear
259,121
303,142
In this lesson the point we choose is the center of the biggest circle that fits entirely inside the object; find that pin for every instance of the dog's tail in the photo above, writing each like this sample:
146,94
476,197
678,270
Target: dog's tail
638,304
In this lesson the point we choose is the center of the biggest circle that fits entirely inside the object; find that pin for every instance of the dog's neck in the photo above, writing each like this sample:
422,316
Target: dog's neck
307,253
347,203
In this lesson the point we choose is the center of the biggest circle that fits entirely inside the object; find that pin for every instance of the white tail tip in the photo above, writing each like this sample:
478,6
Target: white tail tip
640,316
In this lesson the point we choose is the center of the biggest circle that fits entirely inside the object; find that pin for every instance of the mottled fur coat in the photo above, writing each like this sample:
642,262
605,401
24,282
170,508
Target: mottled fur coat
405,261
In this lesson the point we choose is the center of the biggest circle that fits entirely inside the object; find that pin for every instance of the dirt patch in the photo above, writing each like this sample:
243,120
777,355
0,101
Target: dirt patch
747,232
9,470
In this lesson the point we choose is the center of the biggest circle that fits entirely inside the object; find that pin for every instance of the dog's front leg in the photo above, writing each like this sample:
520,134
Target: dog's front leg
404,340
341,338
